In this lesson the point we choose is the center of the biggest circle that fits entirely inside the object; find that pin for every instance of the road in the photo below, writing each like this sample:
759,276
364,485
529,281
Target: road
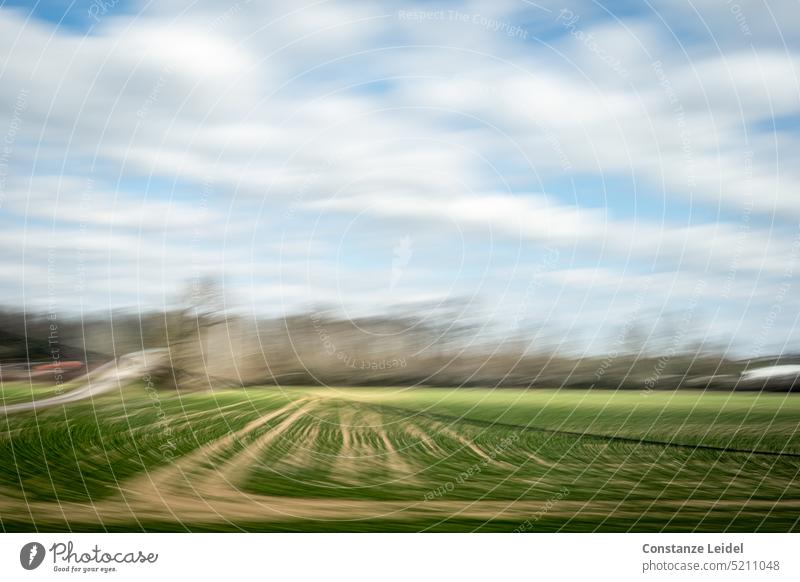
102,379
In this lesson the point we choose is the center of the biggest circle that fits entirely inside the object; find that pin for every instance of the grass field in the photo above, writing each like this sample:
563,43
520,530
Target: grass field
16,392
317,459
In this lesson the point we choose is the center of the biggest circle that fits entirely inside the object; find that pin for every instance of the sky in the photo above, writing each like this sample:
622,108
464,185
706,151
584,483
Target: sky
571,169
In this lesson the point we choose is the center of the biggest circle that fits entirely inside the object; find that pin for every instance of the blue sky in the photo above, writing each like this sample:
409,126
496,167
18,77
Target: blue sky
369,156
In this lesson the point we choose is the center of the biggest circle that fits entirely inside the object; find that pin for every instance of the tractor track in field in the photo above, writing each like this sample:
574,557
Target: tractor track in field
183,469
201,486
221,480
606,438
188,510
392,458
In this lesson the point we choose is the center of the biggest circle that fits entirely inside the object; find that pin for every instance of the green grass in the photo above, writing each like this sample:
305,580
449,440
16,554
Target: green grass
18,392
630,459
82,451
747,420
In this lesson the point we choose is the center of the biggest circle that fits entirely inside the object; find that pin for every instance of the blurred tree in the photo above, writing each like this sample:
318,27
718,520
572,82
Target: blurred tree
202,307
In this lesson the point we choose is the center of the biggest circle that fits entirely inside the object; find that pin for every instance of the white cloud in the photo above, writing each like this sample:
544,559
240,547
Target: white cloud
281,119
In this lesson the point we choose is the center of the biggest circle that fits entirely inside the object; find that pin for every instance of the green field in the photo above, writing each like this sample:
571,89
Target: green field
16,392
326,459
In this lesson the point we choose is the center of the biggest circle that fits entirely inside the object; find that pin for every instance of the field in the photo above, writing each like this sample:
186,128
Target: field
326,459
17,392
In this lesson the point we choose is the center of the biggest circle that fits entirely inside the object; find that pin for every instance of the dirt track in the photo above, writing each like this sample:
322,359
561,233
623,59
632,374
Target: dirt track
201,487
